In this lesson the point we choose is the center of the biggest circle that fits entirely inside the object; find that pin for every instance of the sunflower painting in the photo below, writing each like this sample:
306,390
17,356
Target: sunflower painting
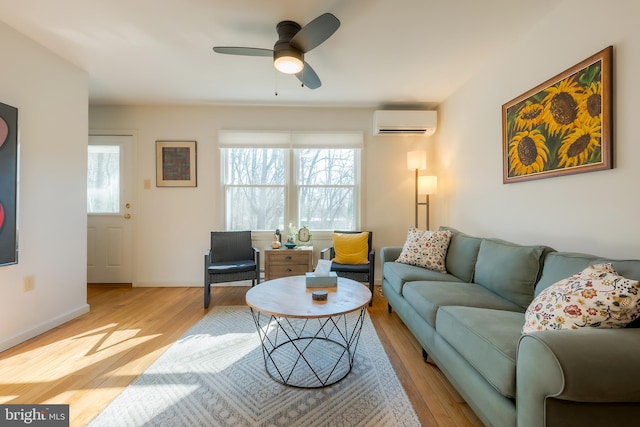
562,126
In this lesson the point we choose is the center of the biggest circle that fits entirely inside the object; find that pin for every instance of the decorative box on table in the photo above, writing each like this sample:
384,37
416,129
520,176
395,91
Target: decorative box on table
314,281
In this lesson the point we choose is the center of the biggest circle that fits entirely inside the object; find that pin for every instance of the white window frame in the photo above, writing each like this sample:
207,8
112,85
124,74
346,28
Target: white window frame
293,141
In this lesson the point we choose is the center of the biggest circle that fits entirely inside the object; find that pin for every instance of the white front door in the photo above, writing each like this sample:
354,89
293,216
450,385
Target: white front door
110,209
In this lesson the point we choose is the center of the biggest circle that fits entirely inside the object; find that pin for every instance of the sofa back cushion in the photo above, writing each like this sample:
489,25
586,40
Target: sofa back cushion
462,254
560,265
627,268
508,269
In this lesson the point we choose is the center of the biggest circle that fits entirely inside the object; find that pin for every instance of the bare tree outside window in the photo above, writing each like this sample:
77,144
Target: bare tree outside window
255,184
257,188
326,182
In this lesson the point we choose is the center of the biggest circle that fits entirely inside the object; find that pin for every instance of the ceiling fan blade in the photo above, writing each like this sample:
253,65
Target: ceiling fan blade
246,51
308,77
315,32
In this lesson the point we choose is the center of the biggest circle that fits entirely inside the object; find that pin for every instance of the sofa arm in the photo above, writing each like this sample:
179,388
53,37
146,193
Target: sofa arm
389,253
586,365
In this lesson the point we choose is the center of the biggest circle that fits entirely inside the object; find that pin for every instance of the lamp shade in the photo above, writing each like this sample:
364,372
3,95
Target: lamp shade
416,160
427,184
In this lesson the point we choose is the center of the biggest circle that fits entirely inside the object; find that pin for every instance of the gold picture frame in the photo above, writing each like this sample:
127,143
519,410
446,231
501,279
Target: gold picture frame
176,164
562,126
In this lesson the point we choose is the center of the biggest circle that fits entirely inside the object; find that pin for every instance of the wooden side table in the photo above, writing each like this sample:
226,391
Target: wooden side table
287,262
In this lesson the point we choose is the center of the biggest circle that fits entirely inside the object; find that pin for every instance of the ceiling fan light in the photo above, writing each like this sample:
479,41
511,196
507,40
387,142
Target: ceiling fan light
288,62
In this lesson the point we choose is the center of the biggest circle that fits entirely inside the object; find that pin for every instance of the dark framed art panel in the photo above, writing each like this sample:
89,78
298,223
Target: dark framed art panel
176,164
562,126
8,184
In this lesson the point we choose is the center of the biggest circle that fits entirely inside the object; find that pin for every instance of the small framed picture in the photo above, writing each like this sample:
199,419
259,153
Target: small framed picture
176,164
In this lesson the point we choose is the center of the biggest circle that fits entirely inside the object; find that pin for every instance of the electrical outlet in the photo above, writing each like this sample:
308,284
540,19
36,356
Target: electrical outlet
28,283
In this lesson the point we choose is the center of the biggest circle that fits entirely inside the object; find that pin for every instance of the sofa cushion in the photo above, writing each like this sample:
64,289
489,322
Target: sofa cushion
351,248
508,269
397,274
560,265
597,297
487,339
231,267
626,268
424,248
462,254
427,297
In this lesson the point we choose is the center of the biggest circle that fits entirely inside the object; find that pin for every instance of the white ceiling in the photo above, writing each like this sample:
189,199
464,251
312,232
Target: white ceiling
402,52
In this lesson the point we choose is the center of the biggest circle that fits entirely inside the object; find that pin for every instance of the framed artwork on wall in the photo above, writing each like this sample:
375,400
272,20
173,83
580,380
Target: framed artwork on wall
176,164
8,184
562,126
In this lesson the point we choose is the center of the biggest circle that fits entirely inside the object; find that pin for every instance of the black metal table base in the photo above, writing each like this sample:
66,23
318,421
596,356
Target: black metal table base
309,353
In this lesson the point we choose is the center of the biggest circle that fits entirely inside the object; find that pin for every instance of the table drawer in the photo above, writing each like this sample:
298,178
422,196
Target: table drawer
288,258
287,270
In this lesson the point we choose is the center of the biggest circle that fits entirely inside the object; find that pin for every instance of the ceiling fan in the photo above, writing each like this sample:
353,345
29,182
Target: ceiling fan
293,42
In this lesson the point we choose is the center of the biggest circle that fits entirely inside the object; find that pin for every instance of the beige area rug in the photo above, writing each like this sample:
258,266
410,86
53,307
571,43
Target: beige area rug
214,375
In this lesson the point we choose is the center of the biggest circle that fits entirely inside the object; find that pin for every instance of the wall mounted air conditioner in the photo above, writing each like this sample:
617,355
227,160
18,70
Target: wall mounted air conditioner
404,122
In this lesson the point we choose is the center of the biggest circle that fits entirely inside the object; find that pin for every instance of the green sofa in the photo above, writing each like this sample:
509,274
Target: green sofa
469,322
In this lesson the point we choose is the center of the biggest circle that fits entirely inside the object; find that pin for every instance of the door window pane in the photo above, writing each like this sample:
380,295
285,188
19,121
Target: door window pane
103,179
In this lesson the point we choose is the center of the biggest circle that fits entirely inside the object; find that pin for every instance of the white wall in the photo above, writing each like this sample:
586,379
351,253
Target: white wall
51,96
172,225
594,212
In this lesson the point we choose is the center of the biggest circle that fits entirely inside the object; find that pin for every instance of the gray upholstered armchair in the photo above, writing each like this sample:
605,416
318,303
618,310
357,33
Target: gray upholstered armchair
358,272
230,259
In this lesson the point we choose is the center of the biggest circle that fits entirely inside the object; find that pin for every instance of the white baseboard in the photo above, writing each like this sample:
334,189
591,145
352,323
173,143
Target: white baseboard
43,327
377,282
187,285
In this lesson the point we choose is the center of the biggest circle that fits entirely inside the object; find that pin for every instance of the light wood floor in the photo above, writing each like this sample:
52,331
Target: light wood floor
87,362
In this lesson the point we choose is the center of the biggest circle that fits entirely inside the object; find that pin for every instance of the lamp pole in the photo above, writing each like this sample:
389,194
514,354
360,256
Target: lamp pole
427,203
417,198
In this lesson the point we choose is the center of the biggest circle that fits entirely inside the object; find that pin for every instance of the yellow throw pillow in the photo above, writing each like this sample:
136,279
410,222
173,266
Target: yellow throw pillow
352,248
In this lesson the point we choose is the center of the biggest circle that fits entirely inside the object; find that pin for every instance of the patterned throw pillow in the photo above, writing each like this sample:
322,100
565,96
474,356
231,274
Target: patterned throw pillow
425,248
597,297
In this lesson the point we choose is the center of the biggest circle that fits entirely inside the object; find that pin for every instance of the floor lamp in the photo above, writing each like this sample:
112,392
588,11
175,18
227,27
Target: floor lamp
416,160
427,185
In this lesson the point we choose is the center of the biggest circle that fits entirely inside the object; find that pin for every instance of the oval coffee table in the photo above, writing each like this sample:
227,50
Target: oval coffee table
307,343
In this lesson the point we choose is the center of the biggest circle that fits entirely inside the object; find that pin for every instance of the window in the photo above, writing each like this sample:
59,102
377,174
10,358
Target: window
326,188
256,186
103,179
306,179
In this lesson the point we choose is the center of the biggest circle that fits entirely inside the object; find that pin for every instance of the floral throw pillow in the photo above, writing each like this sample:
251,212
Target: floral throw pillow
597,297
425,248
